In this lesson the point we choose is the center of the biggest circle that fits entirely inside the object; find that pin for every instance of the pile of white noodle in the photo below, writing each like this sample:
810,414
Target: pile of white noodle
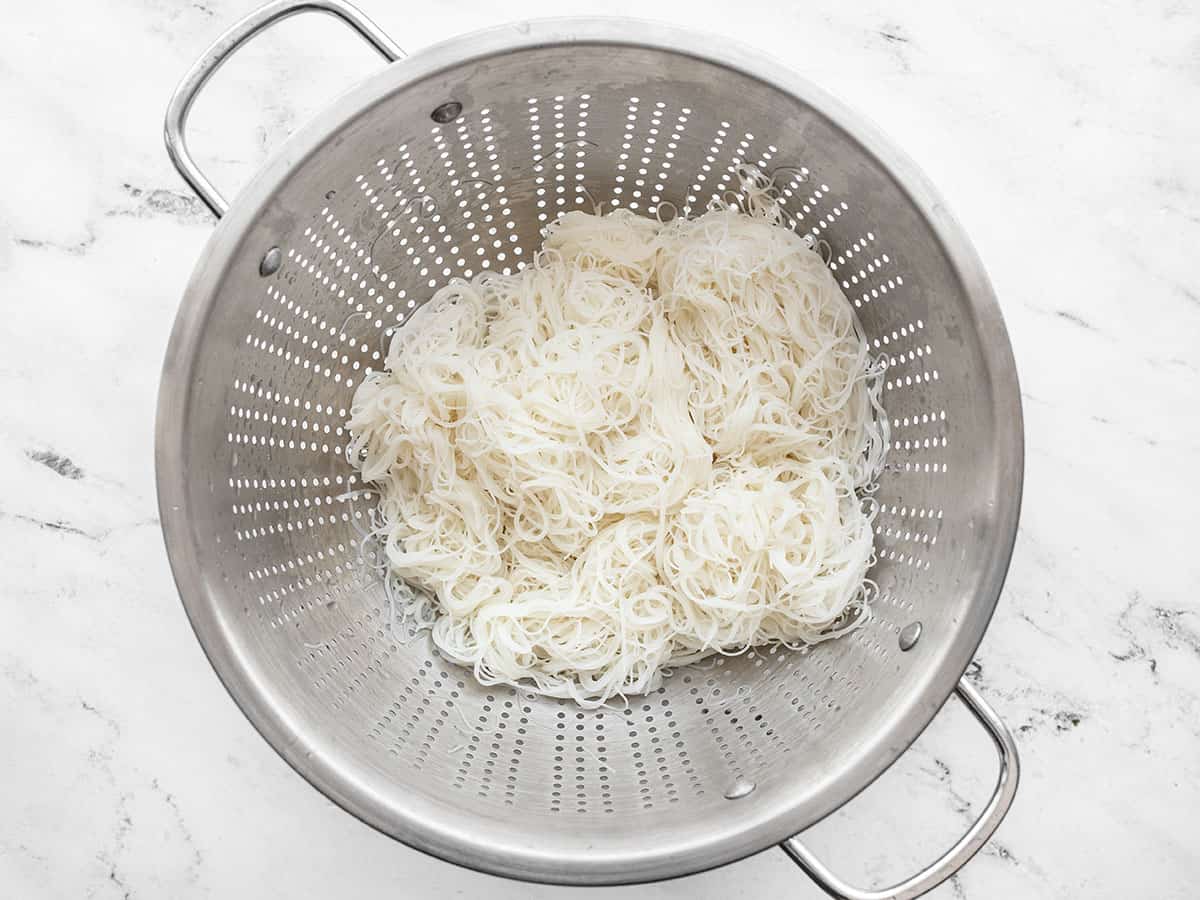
653,444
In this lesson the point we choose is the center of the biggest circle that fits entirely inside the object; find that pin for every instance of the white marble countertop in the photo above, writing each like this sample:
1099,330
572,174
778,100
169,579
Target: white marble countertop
1065,137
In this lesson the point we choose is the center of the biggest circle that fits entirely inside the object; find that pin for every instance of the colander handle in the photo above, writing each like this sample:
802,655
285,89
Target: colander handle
224,47
966,847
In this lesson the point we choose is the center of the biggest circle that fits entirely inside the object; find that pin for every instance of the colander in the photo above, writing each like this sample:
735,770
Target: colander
449,163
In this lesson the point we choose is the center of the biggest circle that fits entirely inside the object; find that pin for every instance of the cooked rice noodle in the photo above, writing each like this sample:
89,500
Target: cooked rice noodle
653,444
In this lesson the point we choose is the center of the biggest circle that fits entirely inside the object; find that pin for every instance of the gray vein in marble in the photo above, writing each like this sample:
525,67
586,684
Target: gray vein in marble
1001,852
1063,719
53,526
197,858
1135,651
899,44
68,528
21,676
150,202
1173,625
1142,625
1116,426
974,672
1188,294
56,463
1111,423
1174,362
169,18
1033,623
942,773
1075,319
77,248
101,758
1064,714
1152,271
111,855
26,851
1183,214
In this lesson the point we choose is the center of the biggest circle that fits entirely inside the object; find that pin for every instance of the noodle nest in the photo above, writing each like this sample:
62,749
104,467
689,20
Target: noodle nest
655,443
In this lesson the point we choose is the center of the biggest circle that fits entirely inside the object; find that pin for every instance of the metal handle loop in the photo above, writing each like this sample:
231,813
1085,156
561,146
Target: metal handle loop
966,847
224,47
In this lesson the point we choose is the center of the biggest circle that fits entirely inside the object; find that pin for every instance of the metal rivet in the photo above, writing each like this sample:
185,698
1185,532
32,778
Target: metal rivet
739,789
909,636
447,112
270,262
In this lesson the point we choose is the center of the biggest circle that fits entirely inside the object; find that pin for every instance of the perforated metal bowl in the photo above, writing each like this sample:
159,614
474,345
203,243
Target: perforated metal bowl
451,162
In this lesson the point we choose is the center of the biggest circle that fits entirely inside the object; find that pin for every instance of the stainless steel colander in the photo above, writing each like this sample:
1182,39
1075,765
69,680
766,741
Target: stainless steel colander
450,163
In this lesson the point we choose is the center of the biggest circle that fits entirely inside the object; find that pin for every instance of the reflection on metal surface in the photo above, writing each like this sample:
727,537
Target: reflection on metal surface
270,262
909,635
739,789
447,112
